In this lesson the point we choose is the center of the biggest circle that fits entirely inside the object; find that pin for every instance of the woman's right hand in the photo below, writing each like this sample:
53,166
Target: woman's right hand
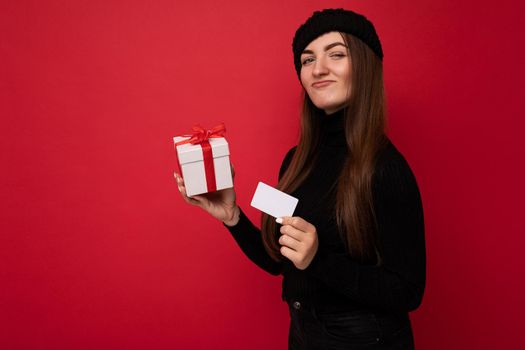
219,204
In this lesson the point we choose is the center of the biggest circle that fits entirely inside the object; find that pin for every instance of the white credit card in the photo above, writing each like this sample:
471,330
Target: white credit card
273,202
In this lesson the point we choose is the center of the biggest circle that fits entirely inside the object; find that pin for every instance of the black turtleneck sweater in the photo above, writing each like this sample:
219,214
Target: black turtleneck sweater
333,280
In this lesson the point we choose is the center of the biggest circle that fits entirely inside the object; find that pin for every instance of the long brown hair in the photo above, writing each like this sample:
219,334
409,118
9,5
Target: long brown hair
365,130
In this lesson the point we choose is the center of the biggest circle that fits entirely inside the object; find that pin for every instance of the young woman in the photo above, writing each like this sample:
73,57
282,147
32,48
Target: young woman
353,256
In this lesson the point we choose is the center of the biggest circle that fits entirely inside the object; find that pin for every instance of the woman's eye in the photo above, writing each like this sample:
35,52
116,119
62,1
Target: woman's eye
310,59
307,60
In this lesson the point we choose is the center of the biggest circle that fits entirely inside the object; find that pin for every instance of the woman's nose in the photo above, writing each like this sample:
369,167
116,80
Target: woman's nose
320,67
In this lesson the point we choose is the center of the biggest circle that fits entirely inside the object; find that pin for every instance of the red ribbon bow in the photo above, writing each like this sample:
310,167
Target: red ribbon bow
201,136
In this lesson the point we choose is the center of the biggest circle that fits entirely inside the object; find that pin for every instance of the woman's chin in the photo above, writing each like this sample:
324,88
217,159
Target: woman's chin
329,109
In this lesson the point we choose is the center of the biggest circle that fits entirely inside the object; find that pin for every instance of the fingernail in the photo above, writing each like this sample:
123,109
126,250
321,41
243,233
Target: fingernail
279,220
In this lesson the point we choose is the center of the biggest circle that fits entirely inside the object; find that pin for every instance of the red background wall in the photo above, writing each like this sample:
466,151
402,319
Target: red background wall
97,248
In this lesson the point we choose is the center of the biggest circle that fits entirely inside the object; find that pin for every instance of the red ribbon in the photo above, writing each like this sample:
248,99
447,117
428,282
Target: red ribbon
201,136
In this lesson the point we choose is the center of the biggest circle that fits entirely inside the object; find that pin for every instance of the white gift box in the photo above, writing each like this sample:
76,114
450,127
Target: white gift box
192,167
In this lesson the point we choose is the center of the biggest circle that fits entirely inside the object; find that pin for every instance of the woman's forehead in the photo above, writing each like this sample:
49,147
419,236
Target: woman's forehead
321,41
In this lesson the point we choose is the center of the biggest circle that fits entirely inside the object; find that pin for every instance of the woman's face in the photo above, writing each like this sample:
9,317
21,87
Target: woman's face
325,72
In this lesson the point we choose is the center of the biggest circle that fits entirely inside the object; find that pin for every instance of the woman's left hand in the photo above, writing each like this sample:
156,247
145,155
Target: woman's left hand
298,241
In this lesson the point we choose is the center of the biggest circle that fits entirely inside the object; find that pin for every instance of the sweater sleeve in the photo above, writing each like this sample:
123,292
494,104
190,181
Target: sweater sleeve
399,282
249,237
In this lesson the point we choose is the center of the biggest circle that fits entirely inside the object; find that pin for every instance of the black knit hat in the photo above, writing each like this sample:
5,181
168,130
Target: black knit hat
329,20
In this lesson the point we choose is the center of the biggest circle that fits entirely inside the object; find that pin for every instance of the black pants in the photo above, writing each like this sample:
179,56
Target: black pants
312,328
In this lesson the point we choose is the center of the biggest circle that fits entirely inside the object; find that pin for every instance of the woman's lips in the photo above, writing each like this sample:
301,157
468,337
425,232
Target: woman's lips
322,83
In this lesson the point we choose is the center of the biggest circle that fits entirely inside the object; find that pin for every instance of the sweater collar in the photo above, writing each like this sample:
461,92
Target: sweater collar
332,129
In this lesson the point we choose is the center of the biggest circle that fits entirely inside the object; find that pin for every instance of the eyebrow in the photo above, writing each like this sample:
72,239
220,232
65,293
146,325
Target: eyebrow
327,47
